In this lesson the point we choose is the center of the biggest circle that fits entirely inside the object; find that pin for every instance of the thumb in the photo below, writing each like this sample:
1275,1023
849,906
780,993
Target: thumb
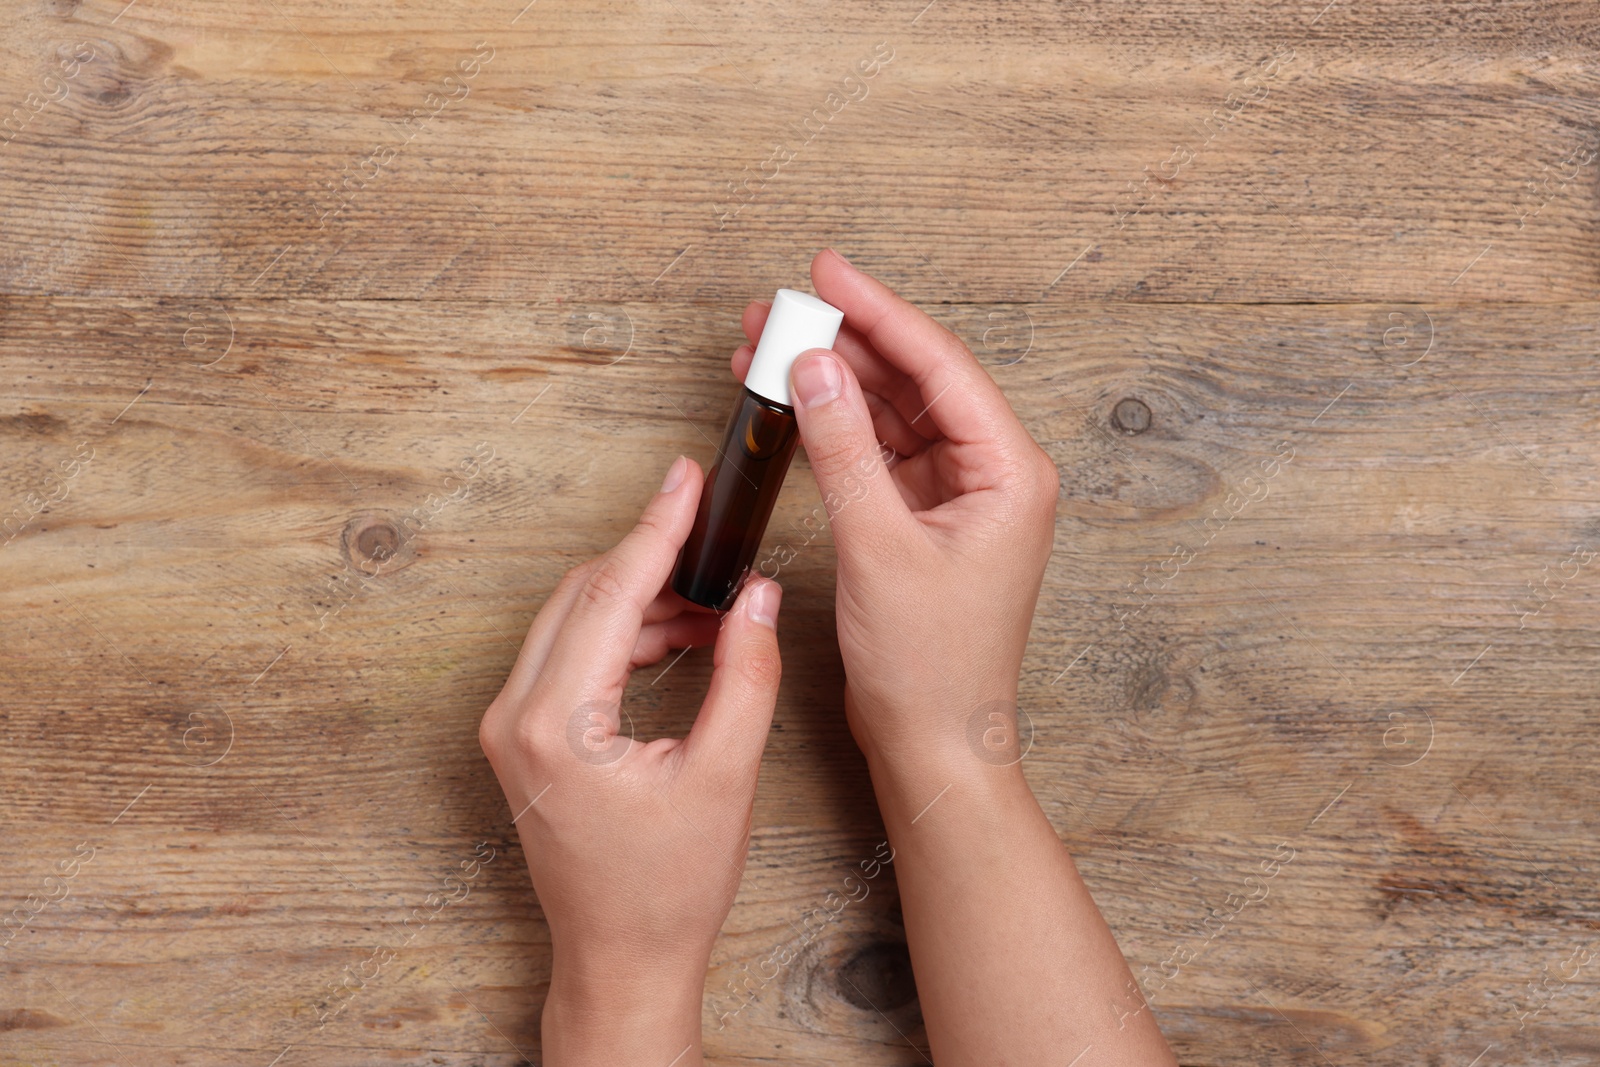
731,729
864,506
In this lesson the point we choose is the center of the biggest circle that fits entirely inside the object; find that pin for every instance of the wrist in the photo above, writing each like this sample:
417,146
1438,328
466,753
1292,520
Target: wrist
912,786
967,742
597,1016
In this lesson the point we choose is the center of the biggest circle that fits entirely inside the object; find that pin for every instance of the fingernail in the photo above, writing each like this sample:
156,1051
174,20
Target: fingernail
840,257
764,603
675,474
817,380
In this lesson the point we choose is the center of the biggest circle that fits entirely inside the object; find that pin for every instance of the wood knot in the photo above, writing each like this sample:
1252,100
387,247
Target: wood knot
878,978
114,95
1131,416
377,542
373,543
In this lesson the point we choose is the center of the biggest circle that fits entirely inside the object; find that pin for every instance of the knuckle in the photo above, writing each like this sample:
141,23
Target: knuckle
1047,477
492,727
604,583
652,523
511,736
956,352
577,574
527,741
1033,478
761,668
488,735
834,455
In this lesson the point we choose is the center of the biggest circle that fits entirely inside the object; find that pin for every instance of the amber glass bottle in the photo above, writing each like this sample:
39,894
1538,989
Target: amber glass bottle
737,501
757,445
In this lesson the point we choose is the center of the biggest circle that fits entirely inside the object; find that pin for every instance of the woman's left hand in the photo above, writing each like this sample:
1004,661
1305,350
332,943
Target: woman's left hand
636,848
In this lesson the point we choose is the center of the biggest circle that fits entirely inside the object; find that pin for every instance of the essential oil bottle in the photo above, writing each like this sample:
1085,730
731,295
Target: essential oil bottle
757,445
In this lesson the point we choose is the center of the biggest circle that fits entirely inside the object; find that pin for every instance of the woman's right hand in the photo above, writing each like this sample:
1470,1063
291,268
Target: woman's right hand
941,552
940,559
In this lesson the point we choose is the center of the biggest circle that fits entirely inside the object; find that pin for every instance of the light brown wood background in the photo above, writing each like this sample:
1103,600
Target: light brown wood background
256,758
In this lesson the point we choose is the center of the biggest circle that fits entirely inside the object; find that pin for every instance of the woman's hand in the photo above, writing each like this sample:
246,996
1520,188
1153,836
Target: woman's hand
942,551
941,554
636,849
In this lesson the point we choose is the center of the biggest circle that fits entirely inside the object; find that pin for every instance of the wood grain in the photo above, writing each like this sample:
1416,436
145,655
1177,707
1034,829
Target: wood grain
593,155
1324,408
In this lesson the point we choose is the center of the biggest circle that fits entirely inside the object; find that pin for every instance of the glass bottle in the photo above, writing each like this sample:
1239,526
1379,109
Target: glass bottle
757,445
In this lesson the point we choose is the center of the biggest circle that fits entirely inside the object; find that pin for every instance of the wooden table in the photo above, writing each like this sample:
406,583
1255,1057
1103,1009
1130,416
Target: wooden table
1301,298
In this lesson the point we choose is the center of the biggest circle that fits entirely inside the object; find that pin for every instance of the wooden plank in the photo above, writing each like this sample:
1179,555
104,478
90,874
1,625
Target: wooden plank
272,771
1293,152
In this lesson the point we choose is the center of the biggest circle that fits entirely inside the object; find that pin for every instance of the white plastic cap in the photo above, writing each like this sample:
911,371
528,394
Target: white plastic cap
797,321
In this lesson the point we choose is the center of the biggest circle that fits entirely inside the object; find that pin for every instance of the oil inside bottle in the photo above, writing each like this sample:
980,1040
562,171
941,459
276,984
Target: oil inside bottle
736,502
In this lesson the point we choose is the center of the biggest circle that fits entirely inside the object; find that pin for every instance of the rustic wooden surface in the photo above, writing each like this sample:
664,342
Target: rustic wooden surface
1317,361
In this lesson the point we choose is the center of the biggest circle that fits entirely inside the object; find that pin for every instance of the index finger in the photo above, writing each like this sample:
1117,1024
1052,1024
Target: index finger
590,655
960,397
